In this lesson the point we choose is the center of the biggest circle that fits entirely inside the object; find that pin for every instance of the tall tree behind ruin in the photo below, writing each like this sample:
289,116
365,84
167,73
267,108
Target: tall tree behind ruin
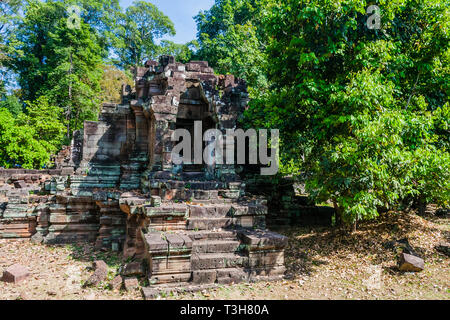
138,29
58,60
231,38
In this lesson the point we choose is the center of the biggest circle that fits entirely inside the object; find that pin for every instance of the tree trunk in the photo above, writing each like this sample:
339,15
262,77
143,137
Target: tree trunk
69,108
337,214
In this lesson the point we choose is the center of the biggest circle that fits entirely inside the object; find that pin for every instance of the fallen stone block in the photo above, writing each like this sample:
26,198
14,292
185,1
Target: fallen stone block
15,274
99,275
150,293
116,283
400,246
442,212
133,269
37,238
131,284
410,263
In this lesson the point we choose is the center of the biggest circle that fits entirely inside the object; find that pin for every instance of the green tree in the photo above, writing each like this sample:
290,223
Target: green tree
232,39
182,52
11,102
361,111
54,59
30,139
111,84
101,16
138,29
8,14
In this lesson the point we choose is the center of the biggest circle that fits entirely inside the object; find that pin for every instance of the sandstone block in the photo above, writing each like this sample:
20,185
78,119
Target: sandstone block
15,274
99,275
131,284
410,263
116,283
204,276
133,269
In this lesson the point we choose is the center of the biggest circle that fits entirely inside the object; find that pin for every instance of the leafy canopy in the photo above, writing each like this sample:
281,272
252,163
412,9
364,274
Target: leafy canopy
30,139
138,29
363,112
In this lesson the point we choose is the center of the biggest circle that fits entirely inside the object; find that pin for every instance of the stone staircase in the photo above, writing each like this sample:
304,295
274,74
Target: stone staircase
130,178
95,176
195,260
207,241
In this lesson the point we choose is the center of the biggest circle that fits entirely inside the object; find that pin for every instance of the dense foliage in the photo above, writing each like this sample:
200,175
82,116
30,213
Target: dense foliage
139,28
30,139
111,84
363,112
233,41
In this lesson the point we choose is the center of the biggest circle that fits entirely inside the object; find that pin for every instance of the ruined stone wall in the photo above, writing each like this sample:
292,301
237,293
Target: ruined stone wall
105,140
116,185
24,201
286,206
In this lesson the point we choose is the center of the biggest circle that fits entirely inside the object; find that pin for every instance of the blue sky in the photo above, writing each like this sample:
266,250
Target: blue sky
182,13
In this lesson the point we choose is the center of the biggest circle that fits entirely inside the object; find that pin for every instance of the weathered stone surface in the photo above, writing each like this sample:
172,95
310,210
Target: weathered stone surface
209,223
155,201
410,263
15,274
170,278
266,258
156,242
173,264
216,246
259,239
218,261
99,275
37,238
133,269
130,284
231,275
116,283
204,276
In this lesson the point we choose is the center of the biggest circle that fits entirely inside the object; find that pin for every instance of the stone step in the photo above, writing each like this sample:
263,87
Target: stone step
130,185
211,279
212,235
208,223
210,211
215,246
69,237
236,275
152,292
218,261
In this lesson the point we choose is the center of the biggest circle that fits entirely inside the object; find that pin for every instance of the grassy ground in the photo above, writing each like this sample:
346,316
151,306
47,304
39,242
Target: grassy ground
322,263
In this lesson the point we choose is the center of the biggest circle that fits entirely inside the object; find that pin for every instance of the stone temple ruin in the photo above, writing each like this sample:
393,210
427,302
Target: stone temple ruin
116,186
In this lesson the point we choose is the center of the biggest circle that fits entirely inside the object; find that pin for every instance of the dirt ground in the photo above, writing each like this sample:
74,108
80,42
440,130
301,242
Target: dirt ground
322,263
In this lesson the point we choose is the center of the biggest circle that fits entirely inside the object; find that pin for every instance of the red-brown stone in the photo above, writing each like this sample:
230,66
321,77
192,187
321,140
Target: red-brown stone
15,274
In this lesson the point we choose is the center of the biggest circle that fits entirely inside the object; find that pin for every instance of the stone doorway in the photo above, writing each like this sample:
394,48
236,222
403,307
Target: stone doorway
194,107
